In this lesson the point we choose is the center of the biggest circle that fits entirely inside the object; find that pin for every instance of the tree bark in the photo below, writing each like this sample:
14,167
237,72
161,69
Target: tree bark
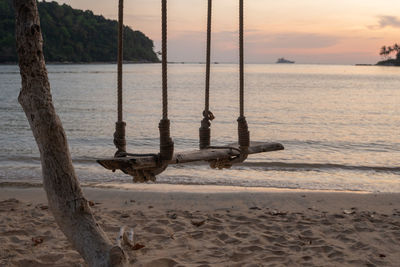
66,201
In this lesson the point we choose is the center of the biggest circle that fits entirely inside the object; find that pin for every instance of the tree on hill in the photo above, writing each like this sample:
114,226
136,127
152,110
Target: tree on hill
72,35
7,26
386,52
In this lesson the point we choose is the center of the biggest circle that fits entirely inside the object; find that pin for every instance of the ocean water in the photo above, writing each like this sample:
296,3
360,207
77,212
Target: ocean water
340,125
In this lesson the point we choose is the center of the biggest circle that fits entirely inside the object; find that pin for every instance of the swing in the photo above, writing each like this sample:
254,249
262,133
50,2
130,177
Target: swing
144,167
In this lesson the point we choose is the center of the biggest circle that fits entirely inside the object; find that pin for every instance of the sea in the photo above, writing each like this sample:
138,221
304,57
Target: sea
340,125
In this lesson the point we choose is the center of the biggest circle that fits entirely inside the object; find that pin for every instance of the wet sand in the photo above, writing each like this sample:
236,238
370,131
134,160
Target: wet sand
181,226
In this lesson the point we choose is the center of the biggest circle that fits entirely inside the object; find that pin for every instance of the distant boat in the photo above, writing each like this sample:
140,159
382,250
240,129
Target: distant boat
284,61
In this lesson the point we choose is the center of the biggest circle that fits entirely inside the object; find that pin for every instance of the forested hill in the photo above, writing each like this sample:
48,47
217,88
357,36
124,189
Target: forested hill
72,35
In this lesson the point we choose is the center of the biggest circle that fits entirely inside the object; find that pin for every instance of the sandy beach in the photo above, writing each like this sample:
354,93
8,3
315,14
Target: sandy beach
185,226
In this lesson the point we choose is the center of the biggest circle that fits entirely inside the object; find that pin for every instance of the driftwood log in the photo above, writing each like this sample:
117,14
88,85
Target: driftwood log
66,200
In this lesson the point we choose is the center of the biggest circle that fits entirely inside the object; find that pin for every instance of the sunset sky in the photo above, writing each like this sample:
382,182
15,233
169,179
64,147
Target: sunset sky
307,31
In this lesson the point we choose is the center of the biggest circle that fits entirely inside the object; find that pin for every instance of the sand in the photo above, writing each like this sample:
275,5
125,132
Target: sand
227,227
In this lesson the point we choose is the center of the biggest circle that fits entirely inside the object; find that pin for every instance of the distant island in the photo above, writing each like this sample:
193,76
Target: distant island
284,61
75,36
386,52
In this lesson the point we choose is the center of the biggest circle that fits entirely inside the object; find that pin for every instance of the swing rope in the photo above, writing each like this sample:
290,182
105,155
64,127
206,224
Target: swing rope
205,131
119,134
164,60
166,143
243,132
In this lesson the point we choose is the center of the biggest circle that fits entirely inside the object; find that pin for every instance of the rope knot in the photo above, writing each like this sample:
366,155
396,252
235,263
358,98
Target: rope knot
205,133
243,132
208,115
119,137
204,130
166,143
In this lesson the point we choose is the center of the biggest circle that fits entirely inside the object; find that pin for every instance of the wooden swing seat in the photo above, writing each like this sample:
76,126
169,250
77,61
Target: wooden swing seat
208,154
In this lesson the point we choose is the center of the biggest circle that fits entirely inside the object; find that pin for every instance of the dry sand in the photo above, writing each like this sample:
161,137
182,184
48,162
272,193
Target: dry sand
230,228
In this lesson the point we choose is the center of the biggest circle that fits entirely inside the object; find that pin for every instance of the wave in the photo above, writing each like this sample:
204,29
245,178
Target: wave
316,166
276,166
20,184
9,72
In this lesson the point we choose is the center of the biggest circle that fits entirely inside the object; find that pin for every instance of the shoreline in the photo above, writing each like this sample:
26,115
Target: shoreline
338,200
199,63
85,63
188,188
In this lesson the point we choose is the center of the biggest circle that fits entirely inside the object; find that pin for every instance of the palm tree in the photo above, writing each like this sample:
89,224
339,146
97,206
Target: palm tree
389,51
396,48
384,51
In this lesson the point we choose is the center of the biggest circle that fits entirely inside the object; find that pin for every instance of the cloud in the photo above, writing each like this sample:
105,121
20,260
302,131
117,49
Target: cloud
386,21
288,40
293,40
190,45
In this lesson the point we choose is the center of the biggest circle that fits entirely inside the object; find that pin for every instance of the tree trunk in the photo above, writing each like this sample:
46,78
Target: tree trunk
65,197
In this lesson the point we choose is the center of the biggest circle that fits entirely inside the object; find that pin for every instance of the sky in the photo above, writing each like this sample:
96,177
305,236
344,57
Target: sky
307,31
